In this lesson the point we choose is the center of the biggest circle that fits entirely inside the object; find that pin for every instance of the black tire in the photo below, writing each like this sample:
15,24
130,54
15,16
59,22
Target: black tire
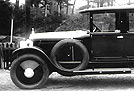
37,81
70,42
68,74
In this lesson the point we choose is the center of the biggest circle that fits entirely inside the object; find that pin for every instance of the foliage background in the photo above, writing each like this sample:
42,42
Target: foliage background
49,15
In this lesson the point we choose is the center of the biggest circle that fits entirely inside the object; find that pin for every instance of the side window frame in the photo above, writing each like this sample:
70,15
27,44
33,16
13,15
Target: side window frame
96,28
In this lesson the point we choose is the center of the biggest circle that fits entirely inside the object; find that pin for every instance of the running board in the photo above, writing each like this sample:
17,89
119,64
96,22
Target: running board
106,71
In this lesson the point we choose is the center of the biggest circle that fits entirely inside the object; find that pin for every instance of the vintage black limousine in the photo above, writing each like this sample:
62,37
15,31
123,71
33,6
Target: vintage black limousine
106,48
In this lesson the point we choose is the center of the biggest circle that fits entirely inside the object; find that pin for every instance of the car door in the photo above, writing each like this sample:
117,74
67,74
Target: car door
130,38
130,45
108,46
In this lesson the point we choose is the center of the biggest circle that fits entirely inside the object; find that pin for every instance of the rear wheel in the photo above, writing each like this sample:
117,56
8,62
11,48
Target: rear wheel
29,72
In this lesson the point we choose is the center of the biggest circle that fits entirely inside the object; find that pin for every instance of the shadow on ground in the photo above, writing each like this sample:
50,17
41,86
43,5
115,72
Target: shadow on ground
98,82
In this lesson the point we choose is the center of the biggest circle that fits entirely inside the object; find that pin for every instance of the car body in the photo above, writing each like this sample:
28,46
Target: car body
106,48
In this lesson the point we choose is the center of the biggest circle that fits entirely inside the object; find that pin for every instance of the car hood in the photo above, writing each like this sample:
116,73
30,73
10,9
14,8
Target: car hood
60,35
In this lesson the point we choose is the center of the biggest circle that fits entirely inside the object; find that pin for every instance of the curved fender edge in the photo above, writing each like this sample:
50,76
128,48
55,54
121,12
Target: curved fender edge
19,50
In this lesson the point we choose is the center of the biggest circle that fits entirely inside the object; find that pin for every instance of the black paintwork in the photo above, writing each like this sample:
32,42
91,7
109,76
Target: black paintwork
106,49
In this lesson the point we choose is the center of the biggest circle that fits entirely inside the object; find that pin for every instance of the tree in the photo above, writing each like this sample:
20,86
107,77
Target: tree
100,3
63,3
75,22
47,16
19,20
6,10
73,7
110,2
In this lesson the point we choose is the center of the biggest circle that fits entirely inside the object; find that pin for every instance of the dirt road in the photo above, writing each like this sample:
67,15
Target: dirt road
57,82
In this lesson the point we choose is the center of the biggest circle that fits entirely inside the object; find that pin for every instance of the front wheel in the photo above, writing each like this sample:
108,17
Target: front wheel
29,72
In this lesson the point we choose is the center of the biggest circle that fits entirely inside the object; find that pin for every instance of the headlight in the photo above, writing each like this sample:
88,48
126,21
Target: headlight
27,43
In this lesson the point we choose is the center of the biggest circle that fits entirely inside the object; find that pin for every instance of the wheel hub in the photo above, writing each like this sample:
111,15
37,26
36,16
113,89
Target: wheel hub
29,72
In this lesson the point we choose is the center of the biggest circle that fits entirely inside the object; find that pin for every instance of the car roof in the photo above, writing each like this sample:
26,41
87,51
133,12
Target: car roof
109,9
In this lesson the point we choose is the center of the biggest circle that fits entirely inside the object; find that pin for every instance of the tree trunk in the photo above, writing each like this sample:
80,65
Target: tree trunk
73,7
67,9
59,8
27,18
46,10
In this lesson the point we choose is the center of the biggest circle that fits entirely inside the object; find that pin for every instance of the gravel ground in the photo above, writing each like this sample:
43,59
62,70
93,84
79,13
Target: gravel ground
57,82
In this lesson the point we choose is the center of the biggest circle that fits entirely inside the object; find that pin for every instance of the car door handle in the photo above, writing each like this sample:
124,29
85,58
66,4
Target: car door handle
120,37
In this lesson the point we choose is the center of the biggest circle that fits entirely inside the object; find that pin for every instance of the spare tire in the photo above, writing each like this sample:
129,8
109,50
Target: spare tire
70,55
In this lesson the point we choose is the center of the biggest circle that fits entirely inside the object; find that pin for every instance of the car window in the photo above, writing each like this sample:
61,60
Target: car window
131,22
104,22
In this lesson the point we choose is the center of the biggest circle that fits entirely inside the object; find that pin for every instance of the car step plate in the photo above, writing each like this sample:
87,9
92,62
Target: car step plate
104,70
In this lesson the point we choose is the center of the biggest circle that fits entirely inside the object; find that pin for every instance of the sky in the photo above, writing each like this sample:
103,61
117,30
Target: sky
80,3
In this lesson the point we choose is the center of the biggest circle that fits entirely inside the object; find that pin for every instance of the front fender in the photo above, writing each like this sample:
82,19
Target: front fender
33,50
29,49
